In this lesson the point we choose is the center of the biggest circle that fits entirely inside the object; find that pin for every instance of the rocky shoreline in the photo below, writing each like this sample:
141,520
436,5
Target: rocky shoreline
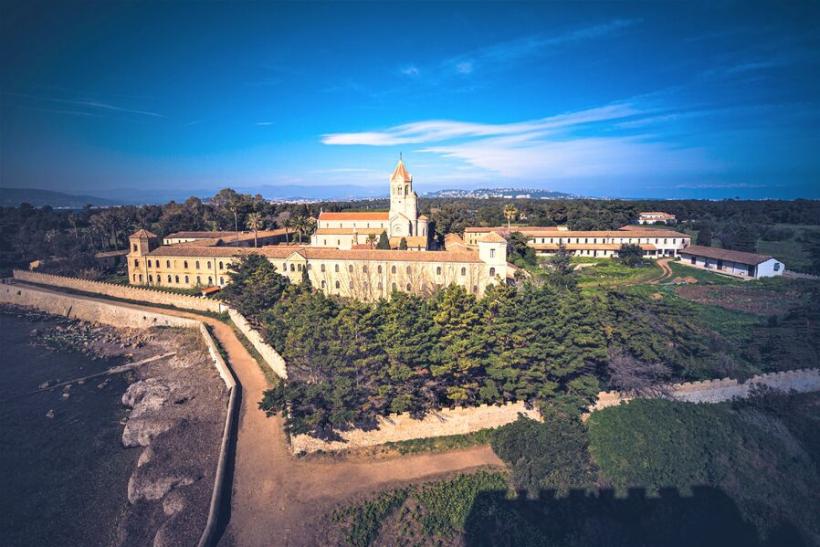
176,417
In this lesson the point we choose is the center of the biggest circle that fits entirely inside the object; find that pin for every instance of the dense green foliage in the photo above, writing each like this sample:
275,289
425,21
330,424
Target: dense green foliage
747,450
255,286
551,455
518,252
350,362
630,255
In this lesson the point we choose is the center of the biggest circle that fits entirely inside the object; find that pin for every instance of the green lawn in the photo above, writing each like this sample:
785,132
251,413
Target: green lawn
680,269
790,251
606,272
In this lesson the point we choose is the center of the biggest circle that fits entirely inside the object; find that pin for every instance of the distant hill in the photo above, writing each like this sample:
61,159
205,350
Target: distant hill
509,193
12,197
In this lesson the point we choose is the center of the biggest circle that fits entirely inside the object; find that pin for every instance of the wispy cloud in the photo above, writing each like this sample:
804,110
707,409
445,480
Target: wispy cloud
87,106
429,131
505,54
579,144
264,124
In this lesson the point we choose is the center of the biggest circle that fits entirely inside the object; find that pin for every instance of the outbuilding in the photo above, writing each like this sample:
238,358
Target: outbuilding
736,263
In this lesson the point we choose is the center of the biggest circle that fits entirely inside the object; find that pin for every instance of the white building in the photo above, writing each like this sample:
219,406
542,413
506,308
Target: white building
735,263
651,217
347,230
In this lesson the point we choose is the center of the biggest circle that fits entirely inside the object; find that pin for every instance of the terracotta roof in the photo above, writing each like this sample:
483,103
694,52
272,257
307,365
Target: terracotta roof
740,257
657,214
361,215
643,228
454,242
492,237
551,231
587,246
412,241
349,231
201,250
143,233
401,173
228,236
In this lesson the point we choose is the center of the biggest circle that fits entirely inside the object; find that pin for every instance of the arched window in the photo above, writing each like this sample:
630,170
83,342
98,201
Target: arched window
337,285
149,262
322,268
134,276
337,268
140,278
350,268
392,269
136,262
221,265
284,267
364,268
408,270
293,267
350,284
492,272
438,270
169,278
168,264
185,264
196,264
475,289
463,271
380,285
221,280
310,267
186,279
210,280
198,280
135,247
208,264
176,279
150,278
380,269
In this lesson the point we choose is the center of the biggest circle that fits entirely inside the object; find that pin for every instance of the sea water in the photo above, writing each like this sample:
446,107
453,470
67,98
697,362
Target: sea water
63,471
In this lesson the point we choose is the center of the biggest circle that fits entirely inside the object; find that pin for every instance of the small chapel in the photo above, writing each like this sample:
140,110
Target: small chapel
349,230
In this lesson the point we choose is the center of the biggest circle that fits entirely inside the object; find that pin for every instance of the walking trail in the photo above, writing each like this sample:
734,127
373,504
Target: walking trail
278,499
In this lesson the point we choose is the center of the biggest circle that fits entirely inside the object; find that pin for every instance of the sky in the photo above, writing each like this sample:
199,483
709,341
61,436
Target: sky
670,100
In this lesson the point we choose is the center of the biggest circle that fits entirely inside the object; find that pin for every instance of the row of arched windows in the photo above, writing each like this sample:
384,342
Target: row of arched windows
156,263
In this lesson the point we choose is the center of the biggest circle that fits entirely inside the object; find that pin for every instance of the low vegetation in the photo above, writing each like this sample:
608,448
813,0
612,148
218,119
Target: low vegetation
683,474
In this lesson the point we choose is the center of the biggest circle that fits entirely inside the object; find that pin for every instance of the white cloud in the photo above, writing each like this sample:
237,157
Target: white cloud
464,67
410,70
264,124
441,130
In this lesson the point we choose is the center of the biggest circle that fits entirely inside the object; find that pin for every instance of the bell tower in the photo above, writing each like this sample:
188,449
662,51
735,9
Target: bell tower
403,203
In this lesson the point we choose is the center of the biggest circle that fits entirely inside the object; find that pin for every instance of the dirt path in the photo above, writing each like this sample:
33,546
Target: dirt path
277,498
667,271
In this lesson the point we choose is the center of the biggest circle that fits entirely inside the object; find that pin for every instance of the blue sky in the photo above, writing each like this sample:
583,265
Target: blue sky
717,99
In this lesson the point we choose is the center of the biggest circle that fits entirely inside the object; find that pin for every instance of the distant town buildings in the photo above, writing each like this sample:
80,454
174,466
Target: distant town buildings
654,217
736,263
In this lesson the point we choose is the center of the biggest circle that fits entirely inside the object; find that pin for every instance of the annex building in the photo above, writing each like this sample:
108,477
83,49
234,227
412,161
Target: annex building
546,240
734,263
348,230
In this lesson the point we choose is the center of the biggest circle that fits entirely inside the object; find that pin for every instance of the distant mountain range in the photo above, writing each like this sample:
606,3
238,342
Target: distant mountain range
12,197
509,193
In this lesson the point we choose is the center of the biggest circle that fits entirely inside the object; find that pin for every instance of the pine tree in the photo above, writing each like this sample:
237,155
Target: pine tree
384,242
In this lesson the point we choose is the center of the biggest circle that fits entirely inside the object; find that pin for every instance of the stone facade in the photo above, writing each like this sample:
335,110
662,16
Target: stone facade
403,427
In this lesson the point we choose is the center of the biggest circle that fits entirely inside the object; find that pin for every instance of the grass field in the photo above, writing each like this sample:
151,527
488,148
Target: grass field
790,251
606,272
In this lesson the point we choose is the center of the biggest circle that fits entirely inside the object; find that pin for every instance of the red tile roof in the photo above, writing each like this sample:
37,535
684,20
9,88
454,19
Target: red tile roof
401,173
741,257
360,215
143,233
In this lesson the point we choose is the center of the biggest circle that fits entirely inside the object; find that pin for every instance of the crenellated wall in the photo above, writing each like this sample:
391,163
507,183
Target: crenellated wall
199,303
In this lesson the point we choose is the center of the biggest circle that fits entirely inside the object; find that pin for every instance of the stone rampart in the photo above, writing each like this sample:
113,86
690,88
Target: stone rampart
140,294
402,427
725,389
89,309
268,353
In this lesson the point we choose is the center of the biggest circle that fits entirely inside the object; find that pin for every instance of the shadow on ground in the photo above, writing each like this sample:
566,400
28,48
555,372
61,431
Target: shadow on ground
706,518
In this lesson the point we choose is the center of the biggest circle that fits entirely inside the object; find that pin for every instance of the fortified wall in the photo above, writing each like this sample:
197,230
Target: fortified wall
268,353
716,391
199,303
403,427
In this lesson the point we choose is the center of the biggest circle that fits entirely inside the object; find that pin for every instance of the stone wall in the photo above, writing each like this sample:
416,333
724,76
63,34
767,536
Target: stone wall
402,427
268,353
198,303
726,389
89,309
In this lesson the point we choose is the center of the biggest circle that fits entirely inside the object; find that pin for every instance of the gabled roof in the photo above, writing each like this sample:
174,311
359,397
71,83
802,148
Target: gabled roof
492,237
400,172
741,257
143,233
360,215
